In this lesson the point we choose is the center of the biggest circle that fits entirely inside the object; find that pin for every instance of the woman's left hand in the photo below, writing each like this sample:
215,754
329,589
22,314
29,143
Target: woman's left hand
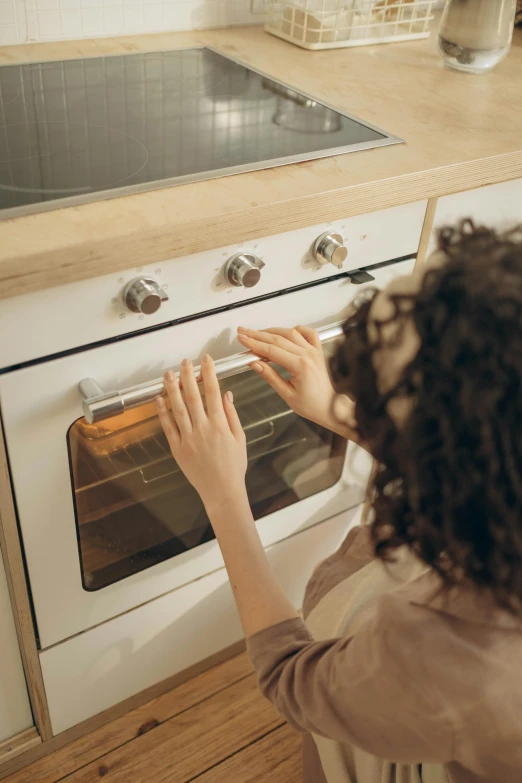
210,448
208,445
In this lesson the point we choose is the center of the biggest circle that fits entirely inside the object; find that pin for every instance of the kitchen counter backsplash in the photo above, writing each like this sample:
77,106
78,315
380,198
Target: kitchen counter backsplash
28,21
24,21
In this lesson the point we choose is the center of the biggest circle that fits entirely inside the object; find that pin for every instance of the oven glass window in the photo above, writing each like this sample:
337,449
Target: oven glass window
134,508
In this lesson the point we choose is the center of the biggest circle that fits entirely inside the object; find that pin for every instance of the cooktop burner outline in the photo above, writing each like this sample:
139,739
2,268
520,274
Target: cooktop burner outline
40,156
172,117
8,87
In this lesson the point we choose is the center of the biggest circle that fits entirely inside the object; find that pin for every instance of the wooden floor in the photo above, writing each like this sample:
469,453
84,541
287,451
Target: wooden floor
215,728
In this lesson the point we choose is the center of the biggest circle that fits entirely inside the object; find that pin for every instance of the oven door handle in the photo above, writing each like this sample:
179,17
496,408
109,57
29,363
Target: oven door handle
99,405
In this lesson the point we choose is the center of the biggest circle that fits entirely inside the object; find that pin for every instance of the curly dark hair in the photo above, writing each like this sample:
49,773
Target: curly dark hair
449,482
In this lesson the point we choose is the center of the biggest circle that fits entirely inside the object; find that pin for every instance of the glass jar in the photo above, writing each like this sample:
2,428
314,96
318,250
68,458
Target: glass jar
475,35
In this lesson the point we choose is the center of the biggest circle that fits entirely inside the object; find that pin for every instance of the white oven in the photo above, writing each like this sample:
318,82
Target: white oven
108,522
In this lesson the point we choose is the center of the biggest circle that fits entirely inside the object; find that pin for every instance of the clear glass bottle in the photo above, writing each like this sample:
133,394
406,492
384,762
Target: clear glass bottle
475,35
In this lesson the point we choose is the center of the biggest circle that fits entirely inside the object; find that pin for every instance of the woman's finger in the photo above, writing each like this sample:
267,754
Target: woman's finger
278,338
272,377
271,352
232,416
310,335
212,390
167,422
177,404
292,335
191,392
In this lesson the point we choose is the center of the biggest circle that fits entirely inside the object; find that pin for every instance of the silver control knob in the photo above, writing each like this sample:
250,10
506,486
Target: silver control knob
330,249
144,295
243,269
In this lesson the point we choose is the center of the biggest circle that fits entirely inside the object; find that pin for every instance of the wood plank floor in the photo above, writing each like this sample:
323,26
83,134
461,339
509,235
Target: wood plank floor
212,729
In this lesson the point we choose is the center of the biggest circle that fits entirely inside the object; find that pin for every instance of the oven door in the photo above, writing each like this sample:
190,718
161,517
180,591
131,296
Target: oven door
107,519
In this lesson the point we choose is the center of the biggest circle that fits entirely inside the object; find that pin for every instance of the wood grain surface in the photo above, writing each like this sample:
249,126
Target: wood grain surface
189,743
19,744
276,758
67,757
427,230
216,727
16,580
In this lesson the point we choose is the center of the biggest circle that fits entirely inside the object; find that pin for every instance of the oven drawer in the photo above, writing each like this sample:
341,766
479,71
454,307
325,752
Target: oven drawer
95,670
107,523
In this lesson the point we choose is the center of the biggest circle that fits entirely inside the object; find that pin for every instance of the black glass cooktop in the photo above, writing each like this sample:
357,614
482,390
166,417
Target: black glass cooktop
80,130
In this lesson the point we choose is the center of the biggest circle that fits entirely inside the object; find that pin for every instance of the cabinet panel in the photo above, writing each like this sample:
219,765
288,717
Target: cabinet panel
15,711
109,663
497,206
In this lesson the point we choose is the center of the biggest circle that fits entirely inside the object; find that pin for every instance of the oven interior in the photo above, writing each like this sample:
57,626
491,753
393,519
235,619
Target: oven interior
134,508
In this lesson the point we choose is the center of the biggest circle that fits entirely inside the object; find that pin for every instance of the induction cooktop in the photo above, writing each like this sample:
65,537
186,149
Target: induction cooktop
81,130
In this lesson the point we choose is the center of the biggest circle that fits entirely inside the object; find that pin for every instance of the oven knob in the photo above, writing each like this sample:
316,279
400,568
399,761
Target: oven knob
330,249
243,269
144,295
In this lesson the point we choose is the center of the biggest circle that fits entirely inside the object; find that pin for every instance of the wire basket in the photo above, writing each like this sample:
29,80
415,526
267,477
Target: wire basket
329,24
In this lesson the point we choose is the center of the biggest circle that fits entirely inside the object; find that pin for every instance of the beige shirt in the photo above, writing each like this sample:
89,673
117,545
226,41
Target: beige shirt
425,678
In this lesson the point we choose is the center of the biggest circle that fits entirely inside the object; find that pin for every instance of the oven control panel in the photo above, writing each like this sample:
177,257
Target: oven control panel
91,311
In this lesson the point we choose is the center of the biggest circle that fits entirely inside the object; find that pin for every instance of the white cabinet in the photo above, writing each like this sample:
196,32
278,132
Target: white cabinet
496,206
15,711
109,663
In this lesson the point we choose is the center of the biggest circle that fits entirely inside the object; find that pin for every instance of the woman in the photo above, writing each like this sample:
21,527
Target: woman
409,666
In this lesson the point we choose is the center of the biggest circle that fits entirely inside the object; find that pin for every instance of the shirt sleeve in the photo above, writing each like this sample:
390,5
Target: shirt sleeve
355,552
372,689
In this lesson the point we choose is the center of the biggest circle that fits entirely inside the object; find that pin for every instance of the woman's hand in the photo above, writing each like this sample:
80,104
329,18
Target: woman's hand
208,445
210,448
309,392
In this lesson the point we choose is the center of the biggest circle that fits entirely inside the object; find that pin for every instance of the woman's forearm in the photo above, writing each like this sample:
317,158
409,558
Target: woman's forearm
260,600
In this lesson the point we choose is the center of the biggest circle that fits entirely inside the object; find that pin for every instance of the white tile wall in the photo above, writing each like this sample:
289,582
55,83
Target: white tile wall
22,21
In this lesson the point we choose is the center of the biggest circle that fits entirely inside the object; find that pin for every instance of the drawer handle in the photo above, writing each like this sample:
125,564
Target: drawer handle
99,405
359,276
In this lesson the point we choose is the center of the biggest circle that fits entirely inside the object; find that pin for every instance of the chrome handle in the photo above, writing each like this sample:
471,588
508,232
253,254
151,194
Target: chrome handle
99,405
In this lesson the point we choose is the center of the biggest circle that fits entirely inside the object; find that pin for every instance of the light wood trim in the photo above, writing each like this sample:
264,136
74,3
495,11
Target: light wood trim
427,229
92,738
16,580
15,746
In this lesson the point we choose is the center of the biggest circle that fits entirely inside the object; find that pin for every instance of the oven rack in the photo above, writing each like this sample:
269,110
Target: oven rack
146,457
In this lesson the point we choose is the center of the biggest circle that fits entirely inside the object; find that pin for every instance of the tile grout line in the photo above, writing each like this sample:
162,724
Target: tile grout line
45,21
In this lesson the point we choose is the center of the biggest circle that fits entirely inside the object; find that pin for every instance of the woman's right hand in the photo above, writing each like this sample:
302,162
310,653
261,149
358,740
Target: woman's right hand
309,391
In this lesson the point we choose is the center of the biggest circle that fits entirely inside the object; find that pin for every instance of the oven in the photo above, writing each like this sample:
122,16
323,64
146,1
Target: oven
109,524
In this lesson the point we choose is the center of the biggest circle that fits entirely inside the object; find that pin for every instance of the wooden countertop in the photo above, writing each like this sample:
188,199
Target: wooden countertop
461,132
